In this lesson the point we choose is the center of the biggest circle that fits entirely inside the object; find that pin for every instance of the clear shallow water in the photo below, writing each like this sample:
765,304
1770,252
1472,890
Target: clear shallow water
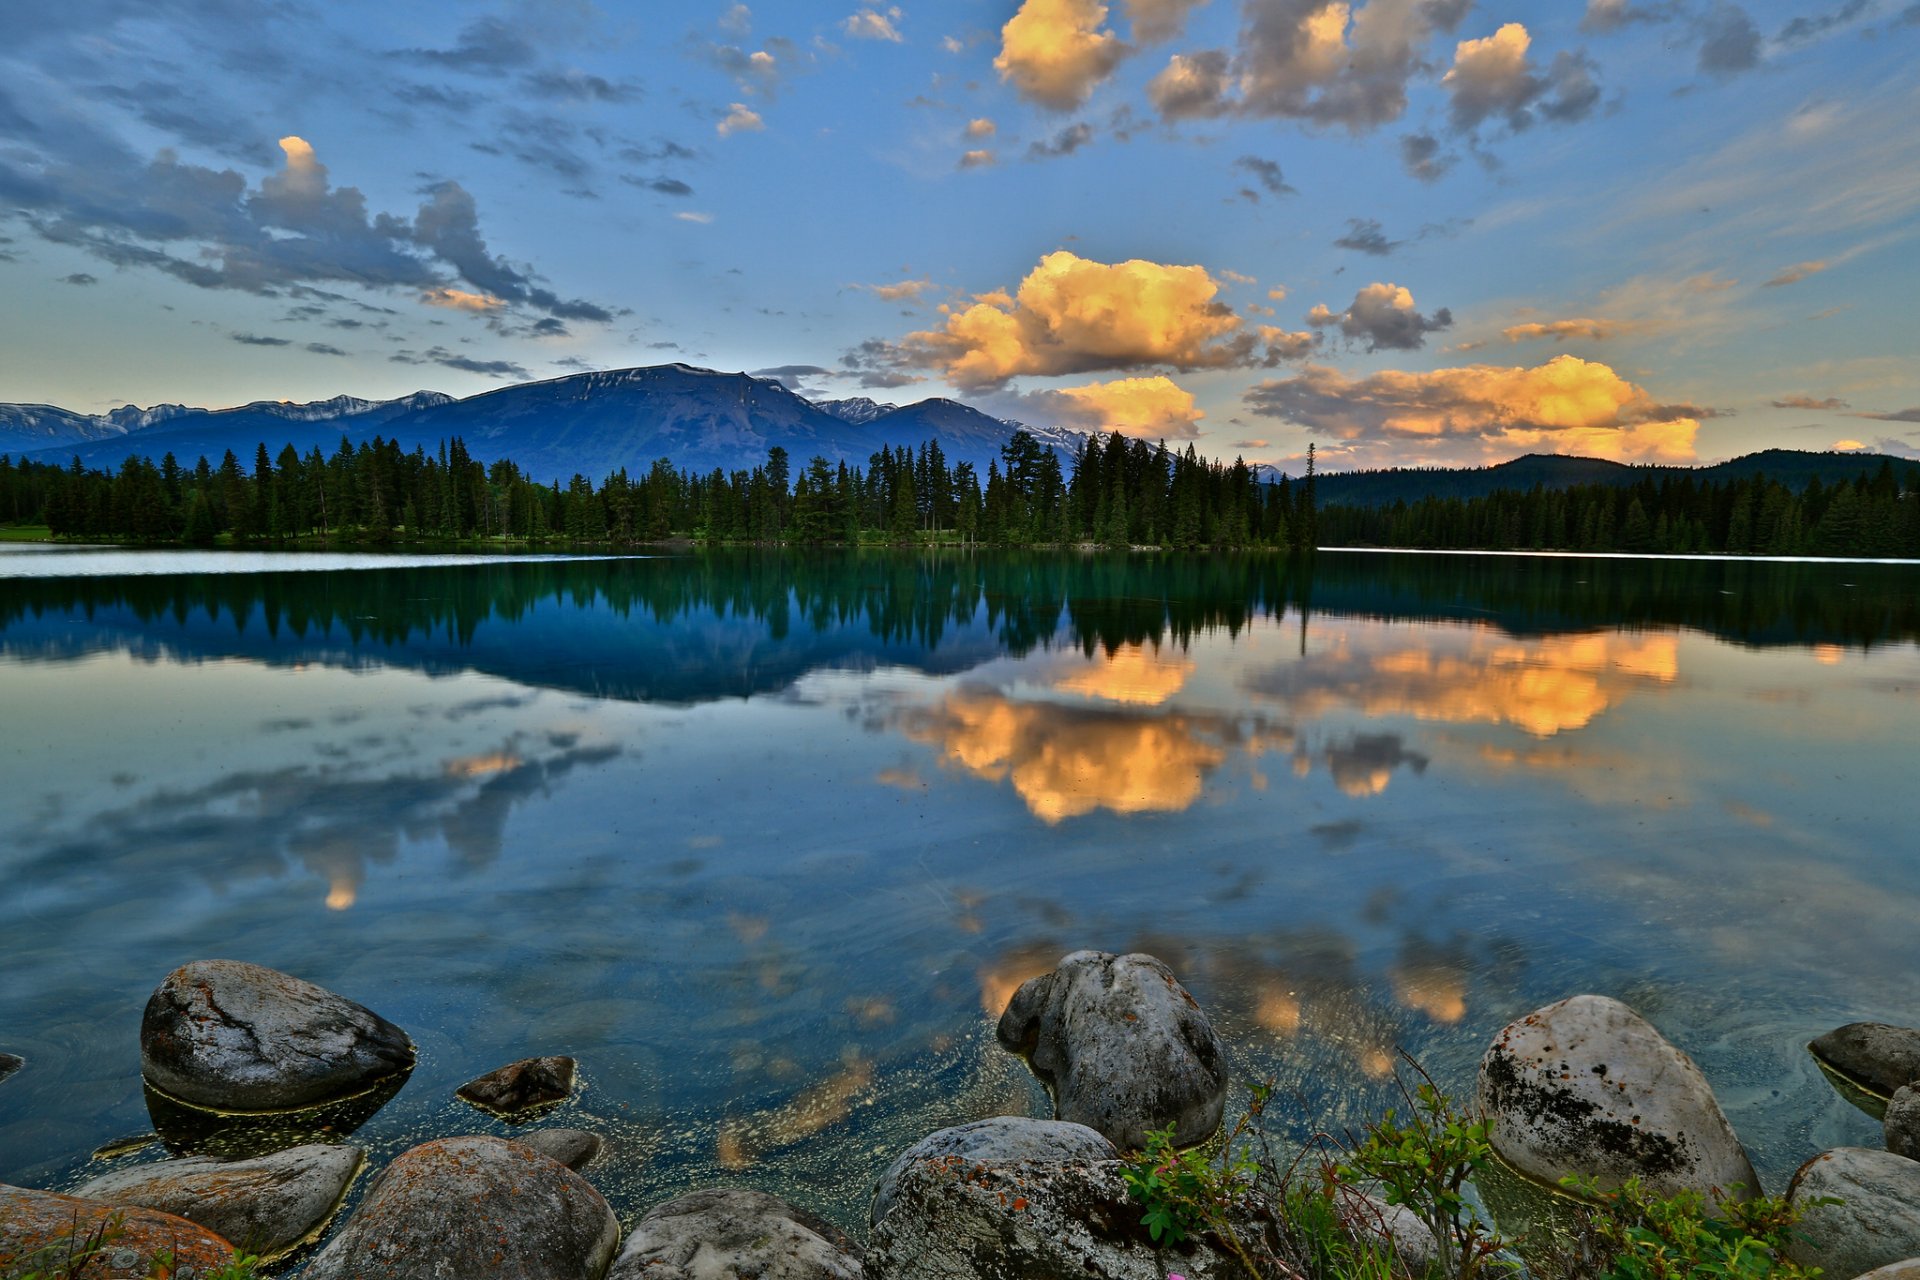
765,841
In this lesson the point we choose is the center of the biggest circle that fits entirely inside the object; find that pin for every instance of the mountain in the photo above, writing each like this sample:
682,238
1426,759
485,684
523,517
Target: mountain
588,423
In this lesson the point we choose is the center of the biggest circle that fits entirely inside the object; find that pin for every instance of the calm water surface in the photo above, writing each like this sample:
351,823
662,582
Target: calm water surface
767,841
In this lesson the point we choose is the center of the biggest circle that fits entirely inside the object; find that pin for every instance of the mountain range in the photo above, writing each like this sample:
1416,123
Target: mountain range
699,419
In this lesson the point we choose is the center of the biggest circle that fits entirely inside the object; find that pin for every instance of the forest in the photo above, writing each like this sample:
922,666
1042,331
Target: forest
1116,492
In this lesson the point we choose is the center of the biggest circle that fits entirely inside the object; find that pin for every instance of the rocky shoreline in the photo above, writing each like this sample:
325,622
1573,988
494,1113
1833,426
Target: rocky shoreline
243,1066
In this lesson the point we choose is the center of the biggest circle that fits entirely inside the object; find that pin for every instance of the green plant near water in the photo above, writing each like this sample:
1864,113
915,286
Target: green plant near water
1634,1234
1423,1163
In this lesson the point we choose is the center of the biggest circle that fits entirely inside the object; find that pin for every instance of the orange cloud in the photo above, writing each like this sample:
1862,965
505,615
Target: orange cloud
1568,406
981,128
1559,330
461,300
1055,52
740,119
1075,315
1155,408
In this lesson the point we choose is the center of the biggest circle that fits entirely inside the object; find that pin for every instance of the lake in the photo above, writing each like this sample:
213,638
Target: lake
766,840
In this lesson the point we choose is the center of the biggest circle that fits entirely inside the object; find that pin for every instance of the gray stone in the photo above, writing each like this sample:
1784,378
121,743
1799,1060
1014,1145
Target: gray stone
1371,1218
996,1141
1901,1124
1588,1087
231,1036
1123,1046
1877,1222
574,1148
1878,1057
264,1206
955,1219
1906,1269
470,1208
10,1063
733,1232
521,1086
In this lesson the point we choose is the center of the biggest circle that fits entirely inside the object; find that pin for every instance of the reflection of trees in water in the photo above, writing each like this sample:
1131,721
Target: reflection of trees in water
1021,601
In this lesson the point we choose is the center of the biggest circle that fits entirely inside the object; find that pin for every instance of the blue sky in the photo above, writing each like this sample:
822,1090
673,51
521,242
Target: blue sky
1413,231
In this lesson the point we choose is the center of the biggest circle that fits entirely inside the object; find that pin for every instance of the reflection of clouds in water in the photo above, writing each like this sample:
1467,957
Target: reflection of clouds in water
1133,674
1068,761
742,1142
330,820
1363,764
1003,976
1544,686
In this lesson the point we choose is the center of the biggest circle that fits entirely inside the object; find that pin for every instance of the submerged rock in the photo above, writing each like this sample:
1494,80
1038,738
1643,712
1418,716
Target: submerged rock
197,1131
1000,1140
1123,1046
473,1207
1877,1221
951,1218
231,1036
1873,1055
264,1206
42,1223
521,1086
735,1232
574,1148
10,1063
1588,1087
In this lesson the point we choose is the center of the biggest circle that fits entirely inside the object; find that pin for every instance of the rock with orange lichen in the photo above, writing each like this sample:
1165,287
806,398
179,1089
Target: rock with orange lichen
470,1208
266,1205
731,1231
952,1218
1587,1087
1123,1046
37,1228
995,1141
231,1036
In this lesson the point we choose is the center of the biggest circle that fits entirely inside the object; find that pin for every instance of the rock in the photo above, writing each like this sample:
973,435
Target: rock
231,1036
574,1148
33,1221
265,1206
996,1141
1587,1087
1874,1055
1123,1047
10,1063
955,1219
1371,1218
726,1232
1902,1122
521,1086
473,1207
1906,1269
188,1130
1878,1221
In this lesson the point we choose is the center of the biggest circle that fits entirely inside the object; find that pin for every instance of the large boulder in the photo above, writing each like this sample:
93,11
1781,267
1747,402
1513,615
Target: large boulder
725,1232
265,1206
1873,1055
520,1086
952,1218
1906,1269
574,1148
1877,1221
1123,1046
37,1228
472,1207
231,1036
997,1141
1588,1087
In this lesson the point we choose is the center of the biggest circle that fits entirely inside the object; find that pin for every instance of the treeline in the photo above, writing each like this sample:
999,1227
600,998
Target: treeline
1118,492
1877,515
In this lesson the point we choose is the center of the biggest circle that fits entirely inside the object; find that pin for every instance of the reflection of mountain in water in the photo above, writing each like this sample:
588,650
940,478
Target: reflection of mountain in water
698,627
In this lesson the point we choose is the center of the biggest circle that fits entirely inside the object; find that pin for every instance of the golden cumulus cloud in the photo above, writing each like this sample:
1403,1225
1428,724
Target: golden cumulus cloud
461,300
1568,406
1065,762
1133,674
1155,408
1075,315
1559,330
981,127
740,119
1055,52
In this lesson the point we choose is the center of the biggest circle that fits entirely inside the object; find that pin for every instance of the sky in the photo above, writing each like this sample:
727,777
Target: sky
1410,232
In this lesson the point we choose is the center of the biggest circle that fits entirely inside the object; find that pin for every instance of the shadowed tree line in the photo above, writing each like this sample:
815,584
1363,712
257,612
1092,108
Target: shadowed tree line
1874,515
1115,491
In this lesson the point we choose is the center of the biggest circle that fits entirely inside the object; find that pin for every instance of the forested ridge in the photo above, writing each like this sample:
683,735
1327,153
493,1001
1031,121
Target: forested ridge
1115,492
